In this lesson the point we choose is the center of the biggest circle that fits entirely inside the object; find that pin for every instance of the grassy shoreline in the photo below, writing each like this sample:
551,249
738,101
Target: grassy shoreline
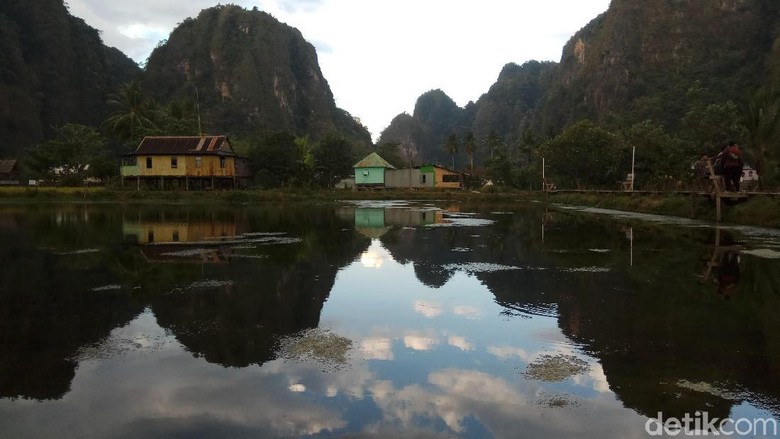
758,210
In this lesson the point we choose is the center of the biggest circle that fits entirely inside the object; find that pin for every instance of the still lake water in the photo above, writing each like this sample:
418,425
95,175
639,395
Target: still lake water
380,319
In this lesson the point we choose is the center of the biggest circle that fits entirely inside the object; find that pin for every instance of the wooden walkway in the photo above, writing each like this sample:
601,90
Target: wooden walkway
716,192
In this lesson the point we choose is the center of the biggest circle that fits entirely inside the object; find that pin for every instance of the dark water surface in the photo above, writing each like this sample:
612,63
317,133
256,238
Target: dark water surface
388,319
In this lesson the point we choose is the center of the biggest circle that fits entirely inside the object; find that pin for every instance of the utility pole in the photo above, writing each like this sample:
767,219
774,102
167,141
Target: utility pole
633,175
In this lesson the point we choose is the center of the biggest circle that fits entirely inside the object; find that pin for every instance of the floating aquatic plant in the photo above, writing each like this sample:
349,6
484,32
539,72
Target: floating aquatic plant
316,345
555,367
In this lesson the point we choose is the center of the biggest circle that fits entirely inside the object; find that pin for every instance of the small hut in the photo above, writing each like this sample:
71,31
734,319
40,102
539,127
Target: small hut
9,173
370,172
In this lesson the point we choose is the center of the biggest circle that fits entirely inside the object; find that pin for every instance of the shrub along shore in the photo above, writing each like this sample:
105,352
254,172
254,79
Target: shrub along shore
758,210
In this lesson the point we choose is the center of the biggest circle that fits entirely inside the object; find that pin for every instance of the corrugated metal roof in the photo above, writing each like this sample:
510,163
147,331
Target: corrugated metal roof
7,166
373,160
193,145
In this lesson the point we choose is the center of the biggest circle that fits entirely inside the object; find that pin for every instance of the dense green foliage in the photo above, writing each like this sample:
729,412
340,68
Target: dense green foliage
584,155
65,157
54,69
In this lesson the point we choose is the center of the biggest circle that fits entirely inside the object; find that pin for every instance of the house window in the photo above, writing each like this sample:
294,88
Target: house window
422,178
148,163
450,178
365,173
198,162
150,236
175,236
174,162
222,162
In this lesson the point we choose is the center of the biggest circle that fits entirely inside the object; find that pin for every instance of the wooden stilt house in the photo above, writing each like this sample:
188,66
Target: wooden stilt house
197,162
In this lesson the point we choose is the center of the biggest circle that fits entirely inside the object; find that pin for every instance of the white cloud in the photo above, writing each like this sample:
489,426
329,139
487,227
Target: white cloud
420,342
377,348
428,309
469,312
505,352
380,56
460,343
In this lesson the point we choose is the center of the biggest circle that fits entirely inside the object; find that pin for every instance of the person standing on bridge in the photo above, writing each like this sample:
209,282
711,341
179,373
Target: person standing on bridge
732,166
702,171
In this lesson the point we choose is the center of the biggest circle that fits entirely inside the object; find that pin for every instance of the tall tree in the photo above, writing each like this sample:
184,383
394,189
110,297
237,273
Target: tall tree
585,155
659,156
274,159
334,159
393,153
470,145
494,143
451,146
304,160
133,110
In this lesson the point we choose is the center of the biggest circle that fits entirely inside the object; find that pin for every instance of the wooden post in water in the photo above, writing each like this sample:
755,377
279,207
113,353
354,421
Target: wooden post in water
718,208
633,175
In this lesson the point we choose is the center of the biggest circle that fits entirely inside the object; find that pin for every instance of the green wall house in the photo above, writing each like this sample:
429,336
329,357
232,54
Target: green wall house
370,172
440,177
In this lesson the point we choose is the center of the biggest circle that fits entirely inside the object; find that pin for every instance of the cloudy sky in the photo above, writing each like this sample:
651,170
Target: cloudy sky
379,56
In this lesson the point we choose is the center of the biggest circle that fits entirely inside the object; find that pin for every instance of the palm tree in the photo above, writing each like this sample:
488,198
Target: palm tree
471,148
304,159
133,110
452,147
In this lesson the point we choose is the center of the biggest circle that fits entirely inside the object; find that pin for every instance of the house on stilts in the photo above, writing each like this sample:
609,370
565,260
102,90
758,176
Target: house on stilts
185,163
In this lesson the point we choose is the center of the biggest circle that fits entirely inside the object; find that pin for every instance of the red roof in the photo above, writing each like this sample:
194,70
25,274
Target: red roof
192,145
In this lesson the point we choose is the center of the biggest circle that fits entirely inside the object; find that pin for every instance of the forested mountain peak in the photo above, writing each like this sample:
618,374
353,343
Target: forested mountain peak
253,73
54,69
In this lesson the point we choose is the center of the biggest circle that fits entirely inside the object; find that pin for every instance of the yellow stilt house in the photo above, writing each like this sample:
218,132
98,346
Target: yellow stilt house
196,162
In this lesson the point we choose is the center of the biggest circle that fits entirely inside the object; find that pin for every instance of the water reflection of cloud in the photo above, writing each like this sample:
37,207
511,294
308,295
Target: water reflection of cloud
428,309
469,312
460,343
456,396
420,342
375,256
502,407
297,388
377,348
371,259
600,383
505,352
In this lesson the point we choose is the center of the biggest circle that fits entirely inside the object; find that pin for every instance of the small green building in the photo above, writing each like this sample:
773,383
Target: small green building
370,172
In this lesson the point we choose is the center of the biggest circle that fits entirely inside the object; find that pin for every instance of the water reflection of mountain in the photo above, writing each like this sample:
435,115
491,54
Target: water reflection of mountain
271,282
669,344
666,343
86,283
52,306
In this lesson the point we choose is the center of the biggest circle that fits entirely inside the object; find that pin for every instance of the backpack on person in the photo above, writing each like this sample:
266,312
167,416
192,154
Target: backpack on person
732,157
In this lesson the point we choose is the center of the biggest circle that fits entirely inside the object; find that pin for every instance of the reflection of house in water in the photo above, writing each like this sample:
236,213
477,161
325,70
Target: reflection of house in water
375,221
179,232
183,241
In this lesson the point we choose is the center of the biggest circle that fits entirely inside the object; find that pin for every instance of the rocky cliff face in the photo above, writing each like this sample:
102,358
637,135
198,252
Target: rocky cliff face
638,59
252,73
635,62
54,69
